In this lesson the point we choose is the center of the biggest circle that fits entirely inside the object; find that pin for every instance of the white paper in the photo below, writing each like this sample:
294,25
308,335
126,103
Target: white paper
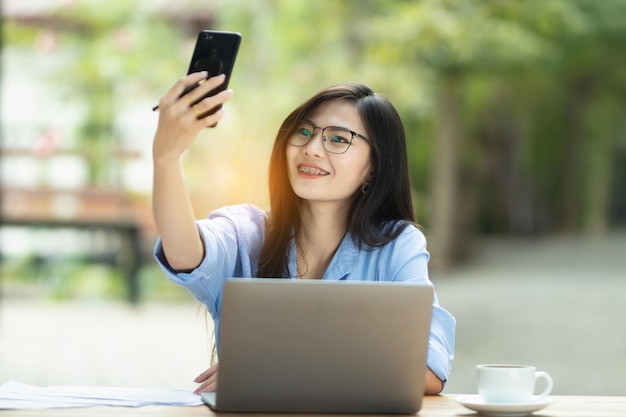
15,395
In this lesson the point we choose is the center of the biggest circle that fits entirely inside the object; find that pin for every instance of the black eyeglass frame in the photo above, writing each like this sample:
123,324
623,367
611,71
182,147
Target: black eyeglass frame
353,134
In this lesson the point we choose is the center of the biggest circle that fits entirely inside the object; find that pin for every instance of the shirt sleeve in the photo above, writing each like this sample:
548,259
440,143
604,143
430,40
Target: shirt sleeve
232,238
409,259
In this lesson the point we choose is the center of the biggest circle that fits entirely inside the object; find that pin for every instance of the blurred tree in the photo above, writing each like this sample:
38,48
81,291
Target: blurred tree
514,110
504,50
112,51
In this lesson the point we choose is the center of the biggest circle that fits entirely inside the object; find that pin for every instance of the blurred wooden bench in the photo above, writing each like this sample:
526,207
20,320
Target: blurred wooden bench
88,209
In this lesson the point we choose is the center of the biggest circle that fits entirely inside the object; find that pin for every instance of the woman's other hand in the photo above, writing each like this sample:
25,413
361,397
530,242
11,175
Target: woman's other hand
207,380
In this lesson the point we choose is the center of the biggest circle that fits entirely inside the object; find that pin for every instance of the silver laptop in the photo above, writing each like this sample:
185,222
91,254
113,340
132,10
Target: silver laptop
322,346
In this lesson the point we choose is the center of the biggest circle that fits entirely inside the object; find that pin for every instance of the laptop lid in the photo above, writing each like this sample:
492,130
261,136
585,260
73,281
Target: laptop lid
322,346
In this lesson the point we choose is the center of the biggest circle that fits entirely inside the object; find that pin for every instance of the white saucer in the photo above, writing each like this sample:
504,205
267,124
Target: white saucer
476,403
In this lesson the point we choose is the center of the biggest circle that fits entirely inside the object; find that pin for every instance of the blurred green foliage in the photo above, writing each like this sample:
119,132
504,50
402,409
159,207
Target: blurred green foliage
60,278
76,278
514,110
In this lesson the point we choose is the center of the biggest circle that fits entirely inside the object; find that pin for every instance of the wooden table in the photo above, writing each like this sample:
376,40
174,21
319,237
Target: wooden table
433,406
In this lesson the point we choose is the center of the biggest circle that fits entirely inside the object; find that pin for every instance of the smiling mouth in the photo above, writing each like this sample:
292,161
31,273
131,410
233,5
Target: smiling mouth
311,170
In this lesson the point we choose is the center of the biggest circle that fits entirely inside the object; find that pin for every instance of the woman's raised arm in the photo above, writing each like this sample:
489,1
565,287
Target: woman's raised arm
177,129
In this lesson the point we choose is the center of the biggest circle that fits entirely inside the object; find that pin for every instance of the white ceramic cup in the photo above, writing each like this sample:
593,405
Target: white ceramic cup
502,383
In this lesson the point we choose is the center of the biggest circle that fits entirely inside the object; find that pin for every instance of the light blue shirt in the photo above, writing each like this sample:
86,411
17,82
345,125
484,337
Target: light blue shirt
232,240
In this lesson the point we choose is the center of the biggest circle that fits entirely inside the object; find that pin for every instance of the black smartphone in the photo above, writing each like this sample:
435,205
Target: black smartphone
215,52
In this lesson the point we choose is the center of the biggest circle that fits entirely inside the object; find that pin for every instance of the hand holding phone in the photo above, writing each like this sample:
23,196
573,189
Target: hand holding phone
215,53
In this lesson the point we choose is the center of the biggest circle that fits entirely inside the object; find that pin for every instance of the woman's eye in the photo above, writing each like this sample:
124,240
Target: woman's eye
305,132
338,139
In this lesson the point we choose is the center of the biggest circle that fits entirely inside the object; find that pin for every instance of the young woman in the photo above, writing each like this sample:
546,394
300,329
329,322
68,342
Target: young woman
340,202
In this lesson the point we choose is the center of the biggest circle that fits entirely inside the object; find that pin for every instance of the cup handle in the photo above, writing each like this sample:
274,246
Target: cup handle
549,384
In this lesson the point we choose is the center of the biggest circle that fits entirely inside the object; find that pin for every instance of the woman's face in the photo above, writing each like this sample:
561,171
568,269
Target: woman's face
317,175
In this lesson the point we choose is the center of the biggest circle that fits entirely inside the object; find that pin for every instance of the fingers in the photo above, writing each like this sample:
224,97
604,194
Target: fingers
206,374
205,102
204,87
180,120
207,380
191,107
174,93
208,386
182,117
205,109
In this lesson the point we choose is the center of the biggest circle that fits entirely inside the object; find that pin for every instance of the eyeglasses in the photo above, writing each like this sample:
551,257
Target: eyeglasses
335,139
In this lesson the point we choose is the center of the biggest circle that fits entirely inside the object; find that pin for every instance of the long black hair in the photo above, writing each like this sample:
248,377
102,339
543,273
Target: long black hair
376,214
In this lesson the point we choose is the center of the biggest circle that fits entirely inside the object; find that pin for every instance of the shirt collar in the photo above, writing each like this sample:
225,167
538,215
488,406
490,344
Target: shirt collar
343,262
